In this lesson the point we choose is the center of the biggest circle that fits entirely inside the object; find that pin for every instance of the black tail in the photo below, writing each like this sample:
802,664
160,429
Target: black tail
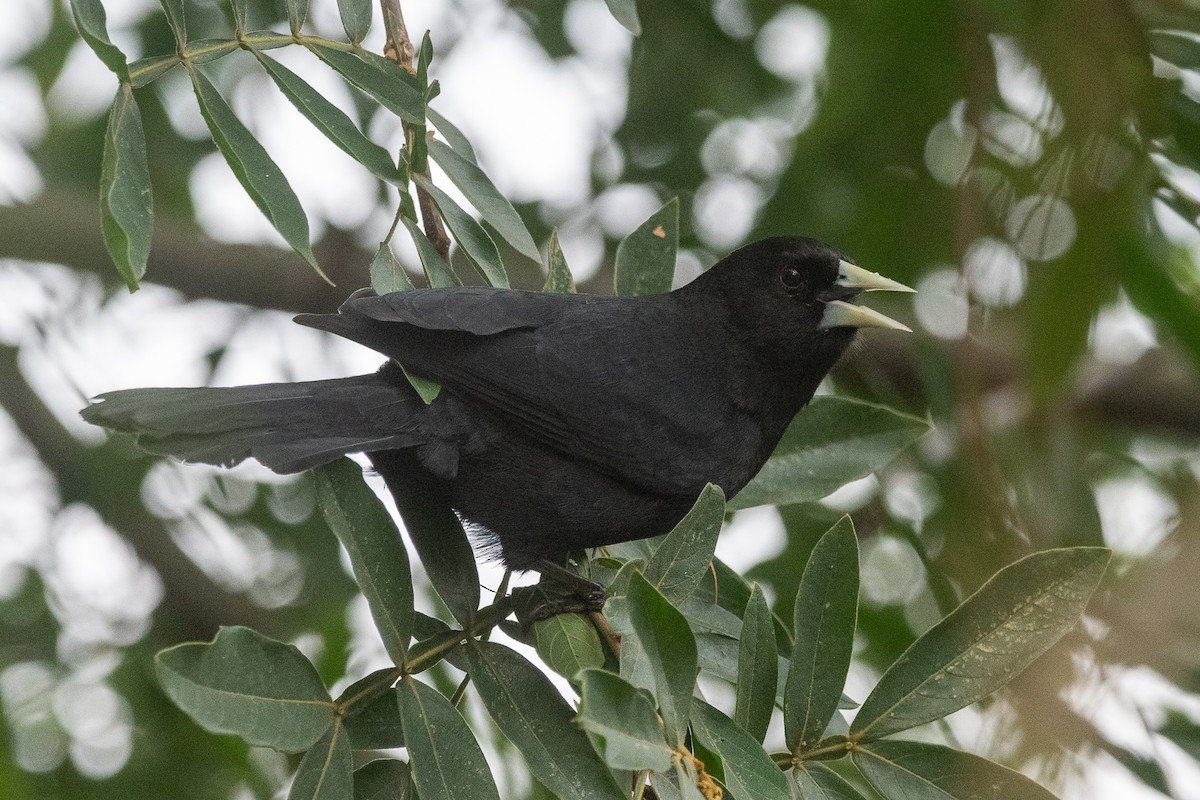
289,427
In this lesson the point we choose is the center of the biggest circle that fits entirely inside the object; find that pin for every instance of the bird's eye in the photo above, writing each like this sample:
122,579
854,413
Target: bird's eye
791,278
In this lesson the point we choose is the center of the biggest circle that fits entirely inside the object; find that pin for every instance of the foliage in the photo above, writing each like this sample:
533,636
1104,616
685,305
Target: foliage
1080,193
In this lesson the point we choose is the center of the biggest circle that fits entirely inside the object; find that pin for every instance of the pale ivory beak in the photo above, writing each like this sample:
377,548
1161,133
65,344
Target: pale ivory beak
840,314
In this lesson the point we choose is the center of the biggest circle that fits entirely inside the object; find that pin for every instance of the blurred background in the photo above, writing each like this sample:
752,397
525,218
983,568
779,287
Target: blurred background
1029,166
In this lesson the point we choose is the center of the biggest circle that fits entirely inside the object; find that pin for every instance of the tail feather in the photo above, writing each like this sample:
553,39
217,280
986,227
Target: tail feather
289,427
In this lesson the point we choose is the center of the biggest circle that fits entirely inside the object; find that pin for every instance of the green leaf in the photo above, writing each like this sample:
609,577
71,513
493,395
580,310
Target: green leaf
830,443
376,725
92,23
356,18
670,650
469,234
646,258
393,91
568,643
749,771
625,12
330,120
423,59
243,683
383,779
914,770
437,271
757,667
984,643
297,11
258,174
241,10
533,715
202,51
453,136
445,758
387,273
326,771
559,279
439,538
826,612
176,19
621,718
145,70
127,211
483,194
684,556
818,782
427,389
377,553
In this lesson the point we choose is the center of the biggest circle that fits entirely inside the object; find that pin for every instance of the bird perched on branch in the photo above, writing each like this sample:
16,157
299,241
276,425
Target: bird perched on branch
563,421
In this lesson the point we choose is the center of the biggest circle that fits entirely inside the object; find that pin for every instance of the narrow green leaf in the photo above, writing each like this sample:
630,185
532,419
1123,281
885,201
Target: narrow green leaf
532,714
469,234
826,612
831,442
757,667
241,11
258,174
356,18
914,771
559,279
423,59
622,721
387,273
684,557
243,683
330,120
670,650
438,536
92,23
146,70
377,554
386,85
568,643
202,51
427,389
176,19
984,643
749,771
625,12
437,270
266,40
376,725
384,779
127,211
445,758
453,136
646,258
297,11
326,771
483,194
818,782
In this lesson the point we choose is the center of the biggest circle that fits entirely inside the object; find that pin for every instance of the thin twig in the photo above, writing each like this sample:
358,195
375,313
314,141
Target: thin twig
399,48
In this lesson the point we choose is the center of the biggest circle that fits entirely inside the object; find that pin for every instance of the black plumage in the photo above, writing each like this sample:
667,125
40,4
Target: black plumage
564,421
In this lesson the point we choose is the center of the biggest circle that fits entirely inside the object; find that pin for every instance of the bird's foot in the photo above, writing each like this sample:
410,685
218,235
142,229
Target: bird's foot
560,591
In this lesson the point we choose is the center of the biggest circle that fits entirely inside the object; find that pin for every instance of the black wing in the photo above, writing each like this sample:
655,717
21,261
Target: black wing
622,383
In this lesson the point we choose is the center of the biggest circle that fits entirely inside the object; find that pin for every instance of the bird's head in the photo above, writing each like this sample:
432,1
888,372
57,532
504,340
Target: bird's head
792,299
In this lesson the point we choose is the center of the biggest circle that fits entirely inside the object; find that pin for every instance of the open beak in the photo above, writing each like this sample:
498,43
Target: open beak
841,314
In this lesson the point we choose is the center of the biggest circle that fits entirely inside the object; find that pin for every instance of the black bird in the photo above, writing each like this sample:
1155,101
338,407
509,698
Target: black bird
564,421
